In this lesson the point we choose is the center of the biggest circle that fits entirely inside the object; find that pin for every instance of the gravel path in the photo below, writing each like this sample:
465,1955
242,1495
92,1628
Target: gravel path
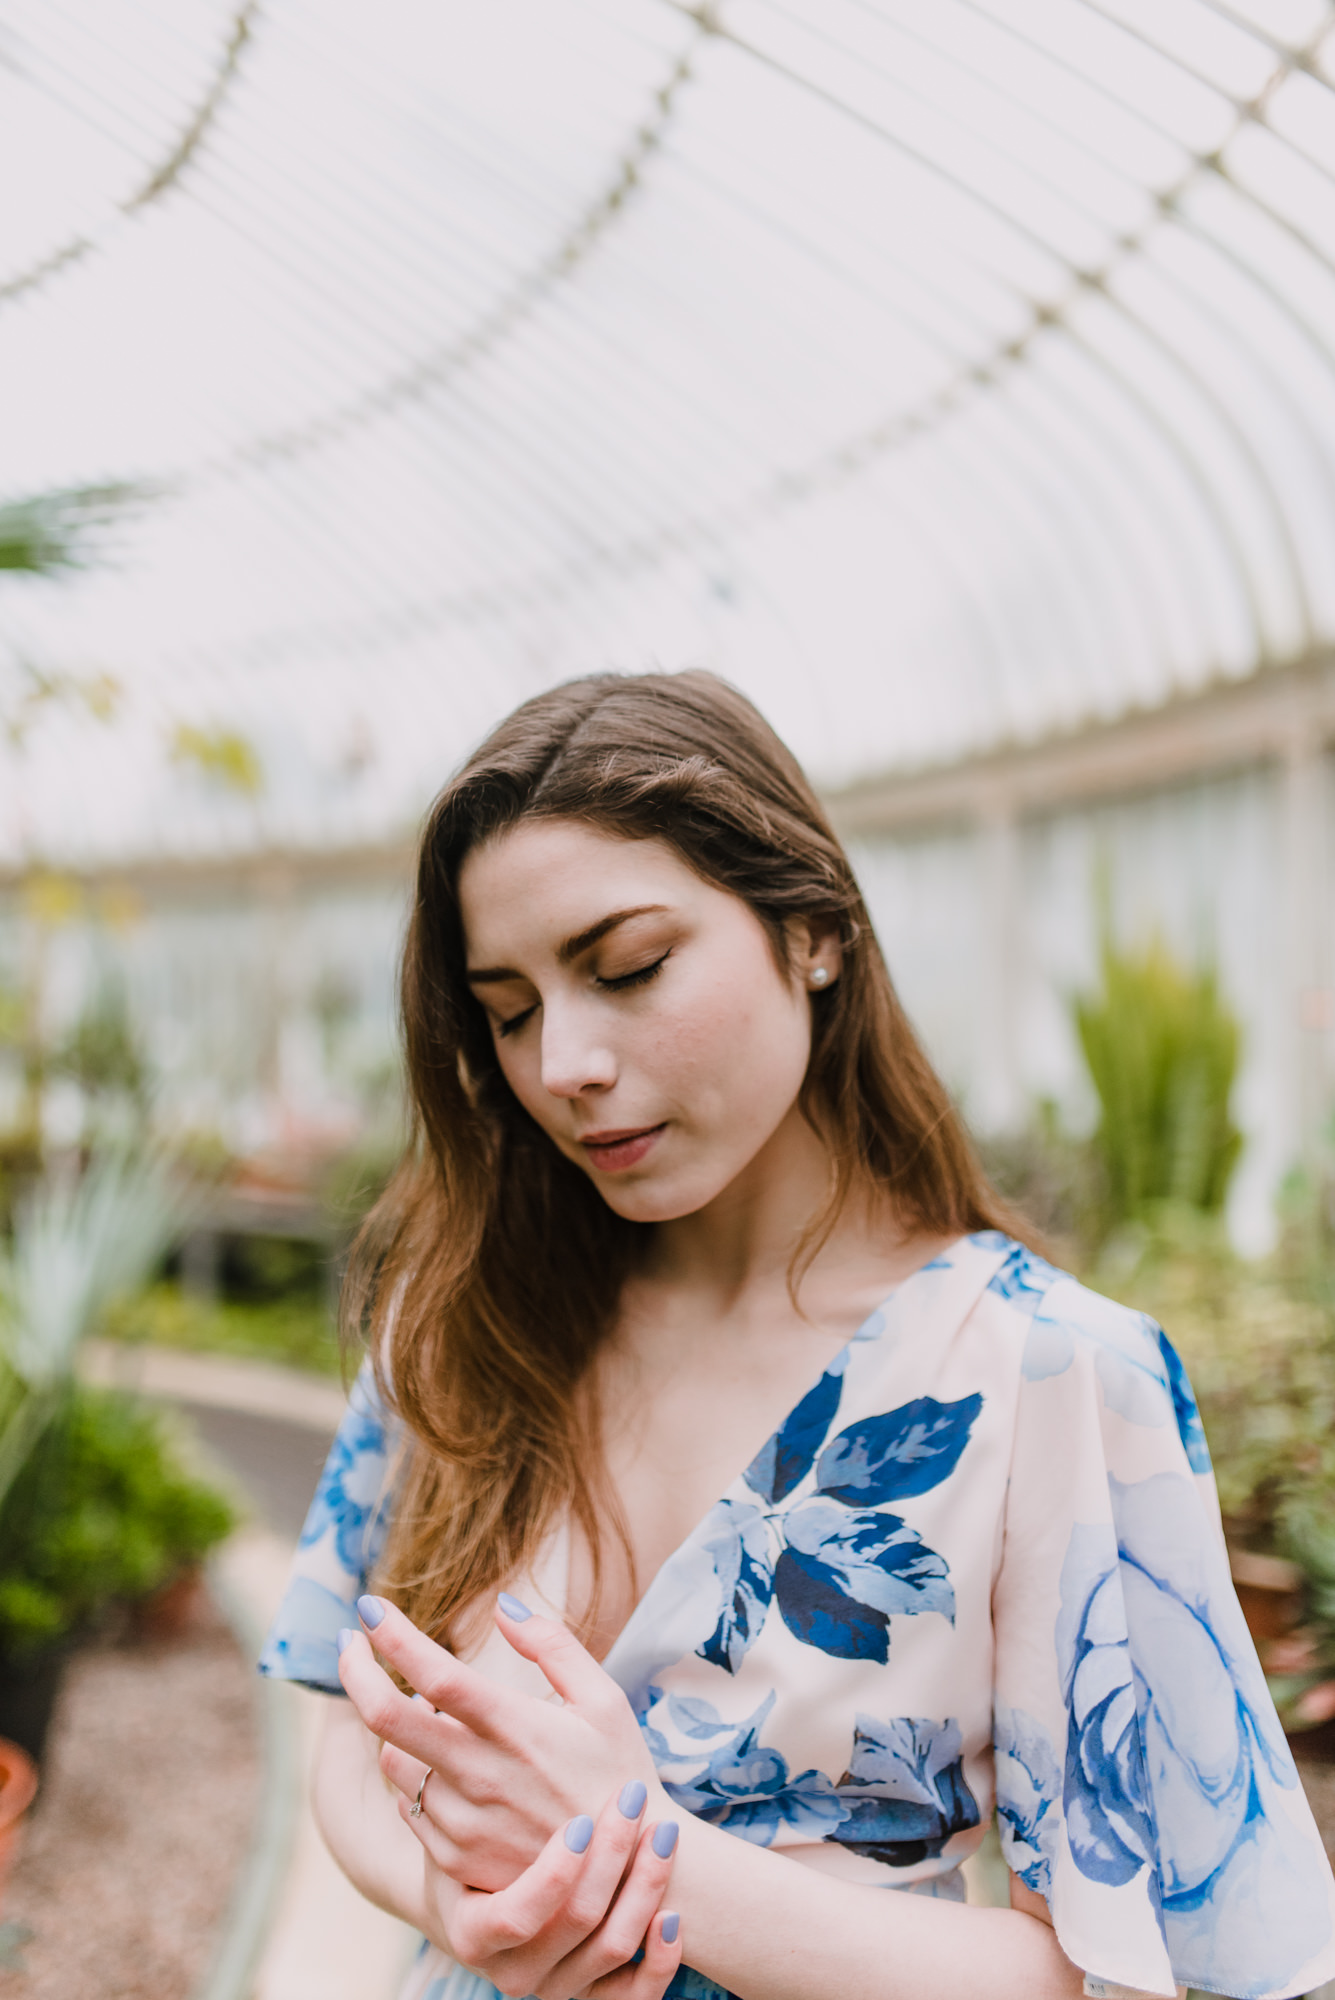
147,1808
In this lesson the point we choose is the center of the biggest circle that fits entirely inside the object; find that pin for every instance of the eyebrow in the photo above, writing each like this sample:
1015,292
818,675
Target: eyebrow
493,975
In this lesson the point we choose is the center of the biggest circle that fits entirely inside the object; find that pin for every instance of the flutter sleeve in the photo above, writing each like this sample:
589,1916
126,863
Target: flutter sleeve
339,1545
1144,1785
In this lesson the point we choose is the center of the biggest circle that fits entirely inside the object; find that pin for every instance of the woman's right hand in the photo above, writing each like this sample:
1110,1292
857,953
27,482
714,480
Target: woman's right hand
571,1924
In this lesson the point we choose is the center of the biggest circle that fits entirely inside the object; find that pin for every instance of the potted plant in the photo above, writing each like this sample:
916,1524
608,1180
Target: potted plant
101,1511
78,1240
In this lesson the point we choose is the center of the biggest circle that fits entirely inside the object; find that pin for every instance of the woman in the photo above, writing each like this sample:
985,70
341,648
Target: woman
687,1214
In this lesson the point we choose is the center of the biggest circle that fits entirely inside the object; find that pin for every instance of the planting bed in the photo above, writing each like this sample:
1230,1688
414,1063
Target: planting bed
150,1795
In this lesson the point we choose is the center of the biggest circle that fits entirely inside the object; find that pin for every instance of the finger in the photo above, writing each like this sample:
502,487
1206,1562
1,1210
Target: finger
650,1978
446,1682
573,1672
402,1771
602,1883
388,1714
511,1919
631,1913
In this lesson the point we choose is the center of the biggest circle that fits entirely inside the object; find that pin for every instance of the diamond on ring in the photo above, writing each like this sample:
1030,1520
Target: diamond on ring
415,1809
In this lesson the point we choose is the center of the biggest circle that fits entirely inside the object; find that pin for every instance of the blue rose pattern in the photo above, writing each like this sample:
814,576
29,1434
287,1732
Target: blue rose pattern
1029,1789
350,1497
1174,1754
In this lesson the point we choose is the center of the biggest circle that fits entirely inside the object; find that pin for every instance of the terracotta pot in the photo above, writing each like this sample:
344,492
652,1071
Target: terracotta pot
174,1608
18,1789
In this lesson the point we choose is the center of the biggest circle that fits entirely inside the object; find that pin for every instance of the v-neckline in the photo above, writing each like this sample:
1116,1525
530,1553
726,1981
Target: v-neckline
869,1330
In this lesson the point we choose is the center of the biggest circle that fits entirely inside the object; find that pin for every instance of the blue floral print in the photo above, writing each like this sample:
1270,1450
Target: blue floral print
904,1789
902,1797
897,1456
1002,1449
1024,1279
738,1541
842,1576
738,1782
843,1567
1029,1791
786,1460
1189,1426
1174,1754
348,1498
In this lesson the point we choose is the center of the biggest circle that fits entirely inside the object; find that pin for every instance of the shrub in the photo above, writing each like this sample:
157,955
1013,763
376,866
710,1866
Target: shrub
102,1510
1162,1049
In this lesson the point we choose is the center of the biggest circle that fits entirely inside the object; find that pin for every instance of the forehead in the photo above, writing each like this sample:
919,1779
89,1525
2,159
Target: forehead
546,880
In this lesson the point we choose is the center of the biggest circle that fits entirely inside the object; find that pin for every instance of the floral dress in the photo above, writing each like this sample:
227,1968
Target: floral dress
978,1567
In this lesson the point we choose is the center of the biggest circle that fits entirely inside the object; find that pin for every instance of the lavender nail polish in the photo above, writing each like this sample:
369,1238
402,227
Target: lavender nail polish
346,1635
631,1803
671,1925
370,1610
579,1833
665,1838
512,1608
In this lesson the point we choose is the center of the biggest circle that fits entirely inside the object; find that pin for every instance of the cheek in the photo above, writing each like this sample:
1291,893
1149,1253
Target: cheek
741,1047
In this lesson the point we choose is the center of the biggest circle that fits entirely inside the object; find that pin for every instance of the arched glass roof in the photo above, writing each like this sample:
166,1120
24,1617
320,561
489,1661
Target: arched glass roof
947,376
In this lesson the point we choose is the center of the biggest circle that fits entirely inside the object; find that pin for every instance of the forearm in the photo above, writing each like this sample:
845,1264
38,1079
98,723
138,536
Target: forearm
359,1821
771,1929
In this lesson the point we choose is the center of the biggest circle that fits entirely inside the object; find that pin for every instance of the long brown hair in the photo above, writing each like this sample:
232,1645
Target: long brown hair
491,1269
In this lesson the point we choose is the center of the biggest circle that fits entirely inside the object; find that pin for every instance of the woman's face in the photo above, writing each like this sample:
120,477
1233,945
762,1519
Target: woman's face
639,1013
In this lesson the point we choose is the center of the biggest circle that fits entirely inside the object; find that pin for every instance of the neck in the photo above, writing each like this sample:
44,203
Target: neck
745,1239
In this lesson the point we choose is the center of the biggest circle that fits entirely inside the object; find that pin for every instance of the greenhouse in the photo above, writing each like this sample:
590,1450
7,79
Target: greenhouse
957,381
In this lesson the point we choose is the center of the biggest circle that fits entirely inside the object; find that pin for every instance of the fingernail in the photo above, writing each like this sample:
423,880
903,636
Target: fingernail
517,1611
631,1803
665,1838
346,1635
671,1925
579,1833
370,1610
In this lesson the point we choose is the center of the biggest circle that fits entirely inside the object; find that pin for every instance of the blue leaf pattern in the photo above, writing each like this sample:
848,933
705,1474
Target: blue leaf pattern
741,1783
897,1456
786,1460
842,1577
736,1538
1024,1279
905,1790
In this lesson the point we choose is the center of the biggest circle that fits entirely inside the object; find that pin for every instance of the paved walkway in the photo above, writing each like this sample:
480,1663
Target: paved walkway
269,1428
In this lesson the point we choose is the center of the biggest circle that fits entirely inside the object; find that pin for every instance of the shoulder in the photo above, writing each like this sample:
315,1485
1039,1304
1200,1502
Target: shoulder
1093,1346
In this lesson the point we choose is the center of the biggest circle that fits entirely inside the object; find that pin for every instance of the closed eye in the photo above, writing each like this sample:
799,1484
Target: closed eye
640,978
504,1028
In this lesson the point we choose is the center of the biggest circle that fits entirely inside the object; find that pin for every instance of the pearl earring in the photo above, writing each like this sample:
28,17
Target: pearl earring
819,976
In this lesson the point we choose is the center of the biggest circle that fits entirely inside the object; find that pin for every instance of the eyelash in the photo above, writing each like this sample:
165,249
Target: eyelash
640,978
627,980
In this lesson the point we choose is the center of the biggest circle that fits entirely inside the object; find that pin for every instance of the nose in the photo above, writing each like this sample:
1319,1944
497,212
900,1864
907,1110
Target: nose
575,1055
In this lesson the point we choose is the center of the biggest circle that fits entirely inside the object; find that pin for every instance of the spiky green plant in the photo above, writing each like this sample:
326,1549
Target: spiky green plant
1162,1047
76,1246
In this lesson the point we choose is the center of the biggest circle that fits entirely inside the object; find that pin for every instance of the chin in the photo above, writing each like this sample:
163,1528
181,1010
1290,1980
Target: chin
668,1201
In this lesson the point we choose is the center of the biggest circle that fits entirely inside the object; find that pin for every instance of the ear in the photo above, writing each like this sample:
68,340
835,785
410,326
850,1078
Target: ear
815,953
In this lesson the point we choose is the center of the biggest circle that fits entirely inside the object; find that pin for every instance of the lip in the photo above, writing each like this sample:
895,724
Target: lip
615,1150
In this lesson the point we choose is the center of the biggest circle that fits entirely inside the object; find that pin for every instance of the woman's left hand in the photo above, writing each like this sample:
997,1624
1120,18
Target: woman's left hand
509,1768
